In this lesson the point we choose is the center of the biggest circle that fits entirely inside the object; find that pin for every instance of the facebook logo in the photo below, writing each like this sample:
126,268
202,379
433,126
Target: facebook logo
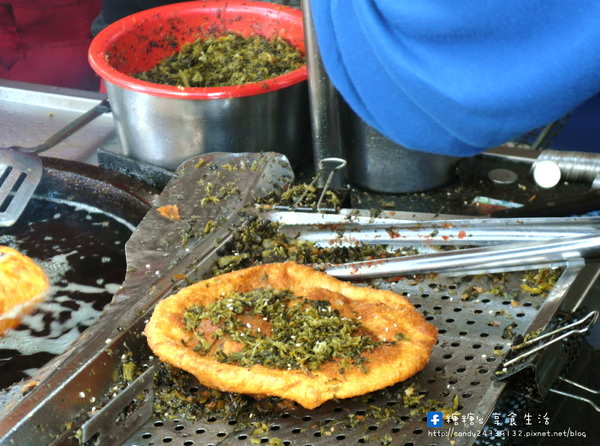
434,419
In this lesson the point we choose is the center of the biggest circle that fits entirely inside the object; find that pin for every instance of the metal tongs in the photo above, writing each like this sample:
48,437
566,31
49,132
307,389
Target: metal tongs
330,165
346,228
501,258
544,344
538,343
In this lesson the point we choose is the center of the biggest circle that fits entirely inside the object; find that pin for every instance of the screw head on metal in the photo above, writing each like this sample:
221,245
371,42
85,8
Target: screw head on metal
502,176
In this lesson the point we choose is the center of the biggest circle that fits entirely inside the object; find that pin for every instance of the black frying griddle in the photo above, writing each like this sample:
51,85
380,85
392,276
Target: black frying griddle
75,228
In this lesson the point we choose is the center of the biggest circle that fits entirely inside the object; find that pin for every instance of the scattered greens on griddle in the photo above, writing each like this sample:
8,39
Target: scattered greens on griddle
301,195
540,282
225,60
260,241
179,396
304,334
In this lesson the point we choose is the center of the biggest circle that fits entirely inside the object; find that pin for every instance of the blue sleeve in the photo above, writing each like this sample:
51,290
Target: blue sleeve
456,77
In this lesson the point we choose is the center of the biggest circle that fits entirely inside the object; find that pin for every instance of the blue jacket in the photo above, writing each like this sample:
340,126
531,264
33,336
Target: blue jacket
457,77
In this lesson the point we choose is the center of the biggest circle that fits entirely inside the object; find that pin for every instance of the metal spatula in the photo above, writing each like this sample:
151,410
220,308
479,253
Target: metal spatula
21,168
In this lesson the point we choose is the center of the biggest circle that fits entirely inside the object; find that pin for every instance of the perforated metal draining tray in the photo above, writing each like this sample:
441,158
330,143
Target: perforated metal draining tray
470,348
81,400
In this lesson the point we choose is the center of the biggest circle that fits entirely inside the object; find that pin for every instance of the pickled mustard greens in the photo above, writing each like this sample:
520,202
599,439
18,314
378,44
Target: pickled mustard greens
540,282
225,61
260,241
303,333
308,194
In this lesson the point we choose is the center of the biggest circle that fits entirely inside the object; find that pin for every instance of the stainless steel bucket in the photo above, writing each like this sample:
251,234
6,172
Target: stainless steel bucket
379,164
167,131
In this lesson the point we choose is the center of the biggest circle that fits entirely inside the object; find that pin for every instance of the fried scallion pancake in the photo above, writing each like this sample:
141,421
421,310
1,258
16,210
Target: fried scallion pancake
22,285
287,330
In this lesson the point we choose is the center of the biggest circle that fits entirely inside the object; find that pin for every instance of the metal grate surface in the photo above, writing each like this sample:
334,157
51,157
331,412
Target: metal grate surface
471,345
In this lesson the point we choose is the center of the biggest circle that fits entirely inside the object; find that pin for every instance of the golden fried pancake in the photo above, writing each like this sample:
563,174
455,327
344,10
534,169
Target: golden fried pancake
22,285
287,330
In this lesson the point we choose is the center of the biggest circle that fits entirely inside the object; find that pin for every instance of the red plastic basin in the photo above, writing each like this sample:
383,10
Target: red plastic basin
138,42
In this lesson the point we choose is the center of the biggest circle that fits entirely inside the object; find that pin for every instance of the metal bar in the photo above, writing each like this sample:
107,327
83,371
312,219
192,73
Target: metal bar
514,154
540,141
324,102
128,411
402,235
355,220
493,258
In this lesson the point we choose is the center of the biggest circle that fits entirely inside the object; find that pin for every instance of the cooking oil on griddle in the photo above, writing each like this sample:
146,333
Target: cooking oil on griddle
81,249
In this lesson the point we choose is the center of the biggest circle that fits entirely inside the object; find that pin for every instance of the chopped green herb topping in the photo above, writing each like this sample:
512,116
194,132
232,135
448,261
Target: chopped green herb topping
260,242
279,330
540,282
225,60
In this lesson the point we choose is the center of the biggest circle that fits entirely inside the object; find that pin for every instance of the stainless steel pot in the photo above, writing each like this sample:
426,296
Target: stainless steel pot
167,131
379,164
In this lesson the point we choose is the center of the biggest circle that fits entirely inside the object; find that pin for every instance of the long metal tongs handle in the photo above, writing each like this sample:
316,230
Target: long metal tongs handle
578,397
580,326
500,258
70,128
